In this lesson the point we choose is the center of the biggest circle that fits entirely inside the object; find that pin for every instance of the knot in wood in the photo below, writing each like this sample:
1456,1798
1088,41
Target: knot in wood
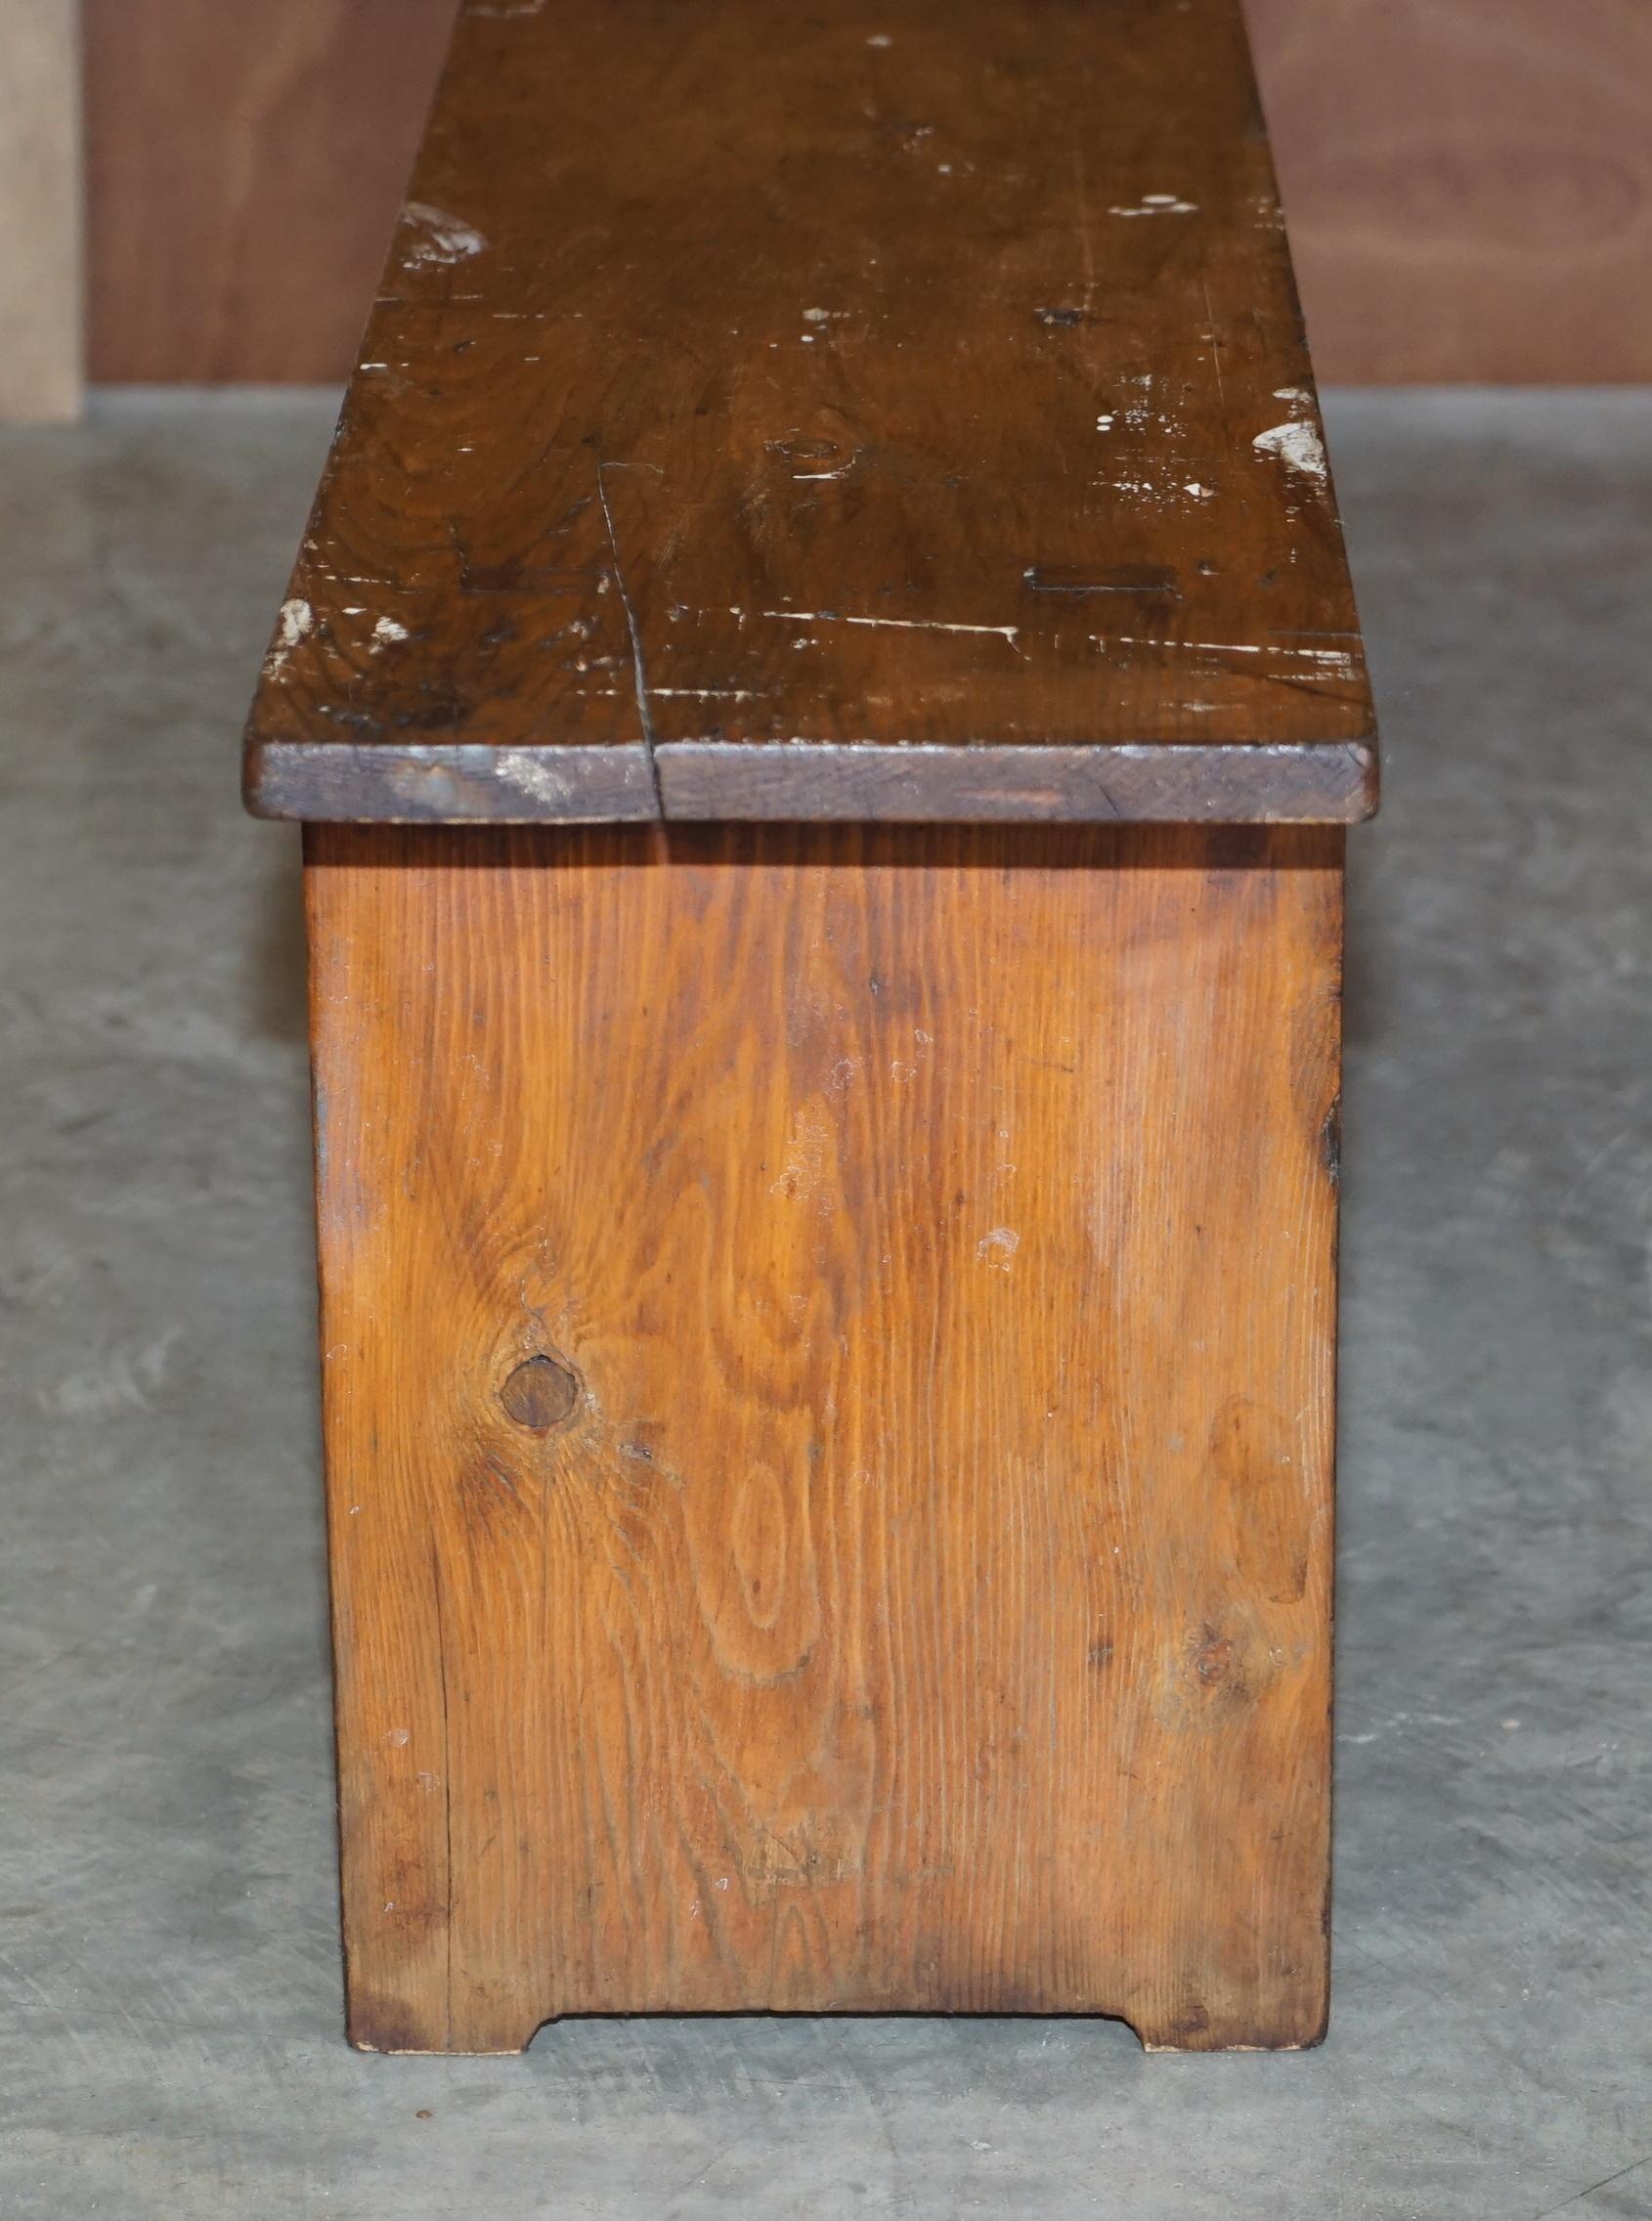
540,1393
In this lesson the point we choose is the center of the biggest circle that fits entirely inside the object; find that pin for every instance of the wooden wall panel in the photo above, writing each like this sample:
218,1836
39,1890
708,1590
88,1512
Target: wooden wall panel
40,223
247,161
1470,182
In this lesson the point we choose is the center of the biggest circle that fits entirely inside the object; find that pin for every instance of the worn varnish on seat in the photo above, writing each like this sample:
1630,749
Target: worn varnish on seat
828,1329
841,413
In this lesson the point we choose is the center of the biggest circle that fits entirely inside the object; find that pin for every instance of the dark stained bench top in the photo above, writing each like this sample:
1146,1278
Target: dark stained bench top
888,411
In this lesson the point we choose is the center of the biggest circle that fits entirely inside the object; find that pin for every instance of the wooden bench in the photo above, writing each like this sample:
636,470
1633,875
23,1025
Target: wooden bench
825,695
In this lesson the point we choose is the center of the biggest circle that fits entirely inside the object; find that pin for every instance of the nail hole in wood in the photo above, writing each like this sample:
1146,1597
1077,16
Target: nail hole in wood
540,1393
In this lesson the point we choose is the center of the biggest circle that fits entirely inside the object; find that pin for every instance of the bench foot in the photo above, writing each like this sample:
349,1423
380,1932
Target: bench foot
1296,2023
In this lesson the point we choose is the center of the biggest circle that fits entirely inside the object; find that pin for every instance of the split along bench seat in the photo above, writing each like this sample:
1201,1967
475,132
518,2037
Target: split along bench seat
824,694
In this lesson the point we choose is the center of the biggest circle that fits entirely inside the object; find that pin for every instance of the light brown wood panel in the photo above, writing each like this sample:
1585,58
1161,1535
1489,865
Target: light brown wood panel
1468,184
41,351
245,165
918,1596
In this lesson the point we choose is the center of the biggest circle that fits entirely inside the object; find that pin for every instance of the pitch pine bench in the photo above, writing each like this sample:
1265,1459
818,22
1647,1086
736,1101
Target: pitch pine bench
824,694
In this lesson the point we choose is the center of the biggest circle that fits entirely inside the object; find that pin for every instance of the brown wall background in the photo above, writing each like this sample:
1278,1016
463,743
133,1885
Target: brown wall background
1468,182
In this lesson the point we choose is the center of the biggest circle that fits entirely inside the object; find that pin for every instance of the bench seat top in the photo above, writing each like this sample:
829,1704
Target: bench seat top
897,410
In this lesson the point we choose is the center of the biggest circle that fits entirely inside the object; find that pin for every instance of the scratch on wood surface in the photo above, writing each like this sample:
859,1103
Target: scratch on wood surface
638,667
1086,245
1009,633
446,1781
1338,663
1149,581
811,477
1215,347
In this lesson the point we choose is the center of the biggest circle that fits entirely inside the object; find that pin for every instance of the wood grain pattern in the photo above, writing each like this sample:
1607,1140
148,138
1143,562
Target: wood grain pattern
926,1604
245,165
1468,183
42,355
957,401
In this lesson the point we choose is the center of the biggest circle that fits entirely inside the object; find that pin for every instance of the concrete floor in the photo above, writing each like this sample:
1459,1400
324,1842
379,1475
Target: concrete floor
169,1979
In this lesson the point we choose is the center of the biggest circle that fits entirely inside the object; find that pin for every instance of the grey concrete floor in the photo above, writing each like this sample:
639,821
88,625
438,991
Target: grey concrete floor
170,2025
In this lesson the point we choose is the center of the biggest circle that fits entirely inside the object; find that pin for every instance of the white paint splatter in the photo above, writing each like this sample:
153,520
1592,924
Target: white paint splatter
444,238
1140,413
998,1248
1158,204
1297,446
808,1164
297,622
387,631
514,767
